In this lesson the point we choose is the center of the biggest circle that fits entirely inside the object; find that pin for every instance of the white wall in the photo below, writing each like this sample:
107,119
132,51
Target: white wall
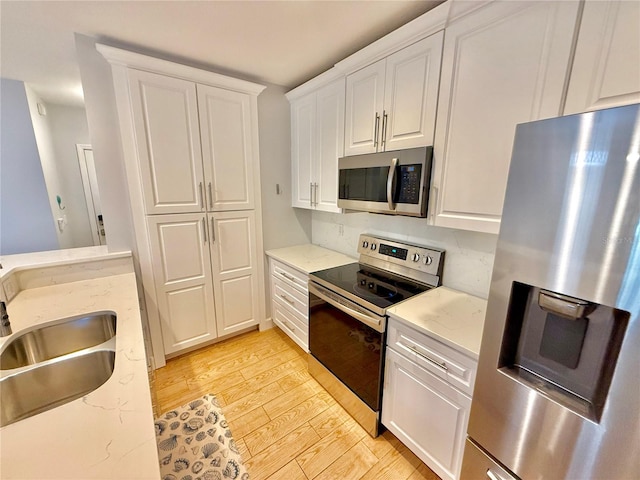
468,259
26,224
69,127
282,225
104,127
57,133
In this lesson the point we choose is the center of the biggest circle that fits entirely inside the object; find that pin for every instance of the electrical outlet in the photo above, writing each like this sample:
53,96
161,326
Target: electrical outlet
10,286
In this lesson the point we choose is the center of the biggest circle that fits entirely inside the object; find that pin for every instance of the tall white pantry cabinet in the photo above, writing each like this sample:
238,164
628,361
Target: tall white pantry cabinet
191,154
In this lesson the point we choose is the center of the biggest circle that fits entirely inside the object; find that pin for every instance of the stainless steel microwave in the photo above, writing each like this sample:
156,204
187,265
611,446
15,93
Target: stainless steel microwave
395,183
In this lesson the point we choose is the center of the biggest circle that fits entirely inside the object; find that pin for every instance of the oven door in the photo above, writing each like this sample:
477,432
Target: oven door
348,340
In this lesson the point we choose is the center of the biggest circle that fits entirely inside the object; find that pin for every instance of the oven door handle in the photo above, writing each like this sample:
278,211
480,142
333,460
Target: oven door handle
391,183
376,323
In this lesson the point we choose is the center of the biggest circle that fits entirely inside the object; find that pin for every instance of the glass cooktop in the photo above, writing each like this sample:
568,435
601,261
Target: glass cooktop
381,288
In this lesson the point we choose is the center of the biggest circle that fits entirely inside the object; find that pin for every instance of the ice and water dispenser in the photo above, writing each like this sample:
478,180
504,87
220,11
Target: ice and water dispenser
564,347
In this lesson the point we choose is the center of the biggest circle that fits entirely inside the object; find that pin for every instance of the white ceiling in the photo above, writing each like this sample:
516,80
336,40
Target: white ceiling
279,42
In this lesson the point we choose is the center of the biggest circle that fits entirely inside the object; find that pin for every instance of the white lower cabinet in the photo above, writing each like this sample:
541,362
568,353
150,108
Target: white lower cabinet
206,275
420,404
290,302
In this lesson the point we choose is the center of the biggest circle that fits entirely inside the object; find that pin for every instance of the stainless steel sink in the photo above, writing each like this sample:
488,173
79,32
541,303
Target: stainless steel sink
55,363
38,388
57,339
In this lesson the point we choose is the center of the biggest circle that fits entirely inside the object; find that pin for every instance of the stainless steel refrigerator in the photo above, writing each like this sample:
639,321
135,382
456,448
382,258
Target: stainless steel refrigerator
557,394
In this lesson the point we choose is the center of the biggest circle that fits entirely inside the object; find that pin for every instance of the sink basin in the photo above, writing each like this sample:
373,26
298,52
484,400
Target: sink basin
61,338
39,388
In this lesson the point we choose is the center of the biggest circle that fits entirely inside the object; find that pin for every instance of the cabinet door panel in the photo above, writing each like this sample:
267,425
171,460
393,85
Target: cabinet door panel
426,414
365,95
503,64
329,145
225,125
181,263
303,130
411,94
606,67
165,114
235,272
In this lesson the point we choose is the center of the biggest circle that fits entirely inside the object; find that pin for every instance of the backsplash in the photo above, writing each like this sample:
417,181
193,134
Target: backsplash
468,262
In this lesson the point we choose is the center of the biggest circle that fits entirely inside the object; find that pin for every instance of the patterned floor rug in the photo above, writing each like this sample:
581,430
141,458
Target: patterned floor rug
195,443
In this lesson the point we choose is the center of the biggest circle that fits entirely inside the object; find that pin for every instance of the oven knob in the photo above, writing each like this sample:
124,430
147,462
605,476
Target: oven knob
365,244
363,282
416,257
371,285
427,260
373,246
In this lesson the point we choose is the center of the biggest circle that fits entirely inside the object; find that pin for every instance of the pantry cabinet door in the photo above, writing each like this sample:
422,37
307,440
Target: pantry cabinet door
183,281
235,271
411,94
225,127
329,145
363,119
503,64
165,116
606,66
303,150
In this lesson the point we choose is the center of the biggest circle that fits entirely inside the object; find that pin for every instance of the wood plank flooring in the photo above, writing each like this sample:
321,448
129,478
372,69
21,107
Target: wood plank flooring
286,425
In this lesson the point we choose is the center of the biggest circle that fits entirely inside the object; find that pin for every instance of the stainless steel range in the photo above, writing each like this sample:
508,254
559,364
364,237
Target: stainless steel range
347,319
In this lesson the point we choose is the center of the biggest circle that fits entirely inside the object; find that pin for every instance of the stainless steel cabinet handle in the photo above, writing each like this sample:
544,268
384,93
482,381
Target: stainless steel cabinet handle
315,194
210,196
286,324
384,130
213,231
201,196
288,277
377,125
204,230
390,183
311,194
442,365
287,299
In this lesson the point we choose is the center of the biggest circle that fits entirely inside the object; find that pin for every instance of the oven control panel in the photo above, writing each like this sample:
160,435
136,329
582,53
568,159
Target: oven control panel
404,255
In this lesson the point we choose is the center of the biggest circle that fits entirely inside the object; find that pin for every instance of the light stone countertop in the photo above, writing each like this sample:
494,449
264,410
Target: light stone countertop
108,433
449,316
310,258
51,258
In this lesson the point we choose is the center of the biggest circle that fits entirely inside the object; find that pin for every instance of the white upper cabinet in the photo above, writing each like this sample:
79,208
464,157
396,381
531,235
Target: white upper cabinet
165,116
317,139
606,67
225,127
503,64
195,145
365,98
303,127
391,104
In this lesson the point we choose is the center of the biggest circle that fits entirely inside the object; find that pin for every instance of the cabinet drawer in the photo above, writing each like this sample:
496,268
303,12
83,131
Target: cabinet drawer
289,275
289,295
290,324
439,359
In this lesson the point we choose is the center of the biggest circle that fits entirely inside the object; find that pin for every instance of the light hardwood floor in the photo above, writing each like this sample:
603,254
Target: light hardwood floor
286,425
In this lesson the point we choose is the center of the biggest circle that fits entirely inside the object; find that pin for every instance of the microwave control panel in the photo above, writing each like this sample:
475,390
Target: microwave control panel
409,180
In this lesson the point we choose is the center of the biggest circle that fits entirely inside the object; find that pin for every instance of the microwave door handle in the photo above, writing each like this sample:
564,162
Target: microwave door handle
390,183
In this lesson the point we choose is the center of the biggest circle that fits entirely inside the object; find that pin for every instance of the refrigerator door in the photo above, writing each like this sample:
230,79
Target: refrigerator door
570,227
